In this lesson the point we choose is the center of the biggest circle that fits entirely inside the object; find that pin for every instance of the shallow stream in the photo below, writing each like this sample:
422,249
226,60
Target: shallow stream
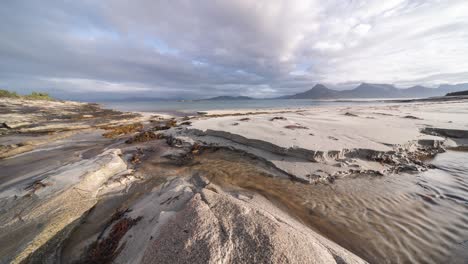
402,218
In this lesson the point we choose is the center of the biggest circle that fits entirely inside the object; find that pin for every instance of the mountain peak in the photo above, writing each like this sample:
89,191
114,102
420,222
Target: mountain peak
319,86
317,92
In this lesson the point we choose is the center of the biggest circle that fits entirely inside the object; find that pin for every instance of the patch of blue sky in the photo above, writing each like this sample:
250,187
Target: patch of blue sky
160,46
93,33
199,63
301,69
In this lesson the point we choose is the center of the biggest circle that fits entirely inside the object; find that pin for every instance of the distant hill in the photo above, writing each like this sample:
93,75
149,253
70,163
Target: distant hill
227,98
420,91
369,90
450,88
319,91
458,93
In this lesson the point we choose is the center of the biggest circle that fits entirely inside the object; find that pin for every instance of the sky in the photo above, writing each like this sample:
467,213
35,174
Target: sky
93,49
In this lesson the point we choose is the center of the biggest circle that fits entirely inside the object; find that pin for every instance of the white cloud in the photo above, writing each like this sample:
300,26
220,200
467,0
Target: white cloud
201,47
362,29
328,46
87,85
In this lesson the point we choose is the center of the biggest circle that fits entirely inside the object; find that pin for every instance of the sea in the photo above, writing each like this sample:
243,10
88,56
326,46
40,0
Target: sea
183,107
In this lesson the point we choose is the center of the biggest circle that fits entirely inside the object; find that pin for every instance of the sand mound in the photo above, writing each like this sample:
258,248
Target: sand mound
218,228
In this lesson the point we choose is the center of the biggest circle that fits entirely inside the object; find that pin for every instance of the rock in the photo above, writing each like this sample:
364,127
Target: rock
180,156
116,131
407,168
56,207
165,125
412,117
295,127
186,123
144,137
278,118
4,125
38,116
350,114
106,249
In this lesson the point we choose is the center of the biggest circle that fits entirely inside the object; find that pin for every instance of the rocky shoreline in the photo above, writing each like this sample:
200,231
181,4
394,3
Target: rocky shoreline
81,184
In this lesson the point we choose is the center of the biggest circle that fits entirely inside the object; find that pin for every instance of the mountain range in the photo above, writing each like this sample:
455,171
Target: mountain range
364,90
369,90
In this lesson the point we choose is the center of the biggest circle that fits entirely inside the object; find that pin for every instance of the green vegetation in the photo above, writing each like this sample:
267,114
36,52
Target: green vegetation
5,93
32,96
460,93
38,96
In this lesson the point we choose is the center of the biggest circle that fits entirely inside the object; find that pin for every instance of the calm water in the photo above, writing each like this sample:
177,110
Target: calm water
402,218
193,106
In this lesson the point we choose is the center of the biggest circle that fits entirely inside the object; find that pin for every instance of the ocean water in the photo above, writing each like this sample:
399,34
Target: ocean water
194,106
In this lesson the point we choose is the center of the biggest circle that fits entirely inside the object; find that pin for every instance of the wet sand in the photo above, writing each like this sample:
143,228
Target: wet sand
405,218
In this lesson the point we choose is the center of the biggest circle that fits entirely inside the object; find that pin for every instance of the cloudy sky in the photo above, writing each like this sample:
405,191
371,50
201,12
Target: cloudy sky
261,48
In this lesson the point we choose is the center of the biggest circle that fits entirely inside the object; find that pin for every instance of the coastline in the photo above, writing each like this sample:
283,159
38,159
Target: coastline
135,193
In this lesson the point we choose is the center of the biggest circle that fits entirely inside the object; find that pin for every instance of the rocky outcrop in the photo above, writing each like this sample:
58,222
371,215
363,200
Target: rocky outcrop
37,116
53,203
10,150
34,123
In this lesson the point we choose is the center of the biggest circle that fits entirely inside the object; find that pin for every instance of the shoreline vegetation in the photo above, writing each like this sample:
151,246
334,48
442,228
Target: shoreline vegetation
460,93
83,184
31,96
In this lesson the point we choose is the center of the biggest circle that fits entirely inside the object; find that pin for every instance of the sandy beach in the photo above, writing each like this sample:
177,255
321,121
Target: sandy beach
82,184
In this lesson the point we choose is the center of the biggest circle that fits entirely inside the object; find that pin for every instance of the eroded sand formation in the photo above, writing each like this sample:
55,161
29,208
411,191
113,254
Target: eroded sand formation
329,142
143,193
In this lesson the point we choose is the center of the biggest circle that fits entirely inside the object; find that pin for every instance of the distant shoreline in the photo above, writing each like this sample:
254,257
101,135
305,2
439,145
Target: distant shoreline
183,108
